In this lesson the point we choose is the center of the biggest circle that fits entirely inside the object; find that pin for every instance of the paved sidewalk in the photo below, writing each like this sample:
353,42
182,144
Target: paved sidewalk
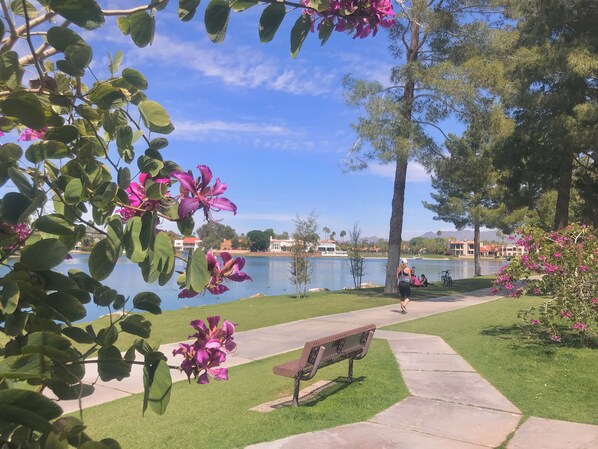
450,407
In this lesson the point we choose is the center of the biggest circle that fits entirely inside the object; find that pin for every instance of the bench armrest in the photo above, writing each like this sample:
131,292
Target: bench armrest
316,364
366,347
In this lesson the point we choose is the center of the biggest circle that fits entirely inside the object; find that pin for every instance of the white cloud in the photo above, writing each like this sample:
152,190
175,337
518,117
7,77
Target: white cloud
415,172
189,130
241,66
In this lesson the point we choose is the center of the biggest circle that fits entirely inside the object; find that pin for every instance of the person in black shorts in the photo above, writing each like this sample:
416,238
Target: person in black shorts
404,279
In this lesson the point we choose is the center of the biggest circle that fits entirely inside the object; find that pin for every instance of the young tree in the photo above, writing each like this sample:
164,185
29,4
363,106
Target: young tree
355,255
305,242
433,40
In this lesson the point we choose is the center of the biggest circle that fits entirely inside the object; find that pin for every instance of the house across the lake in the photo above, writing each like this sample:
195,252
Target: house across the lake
465,248
187,243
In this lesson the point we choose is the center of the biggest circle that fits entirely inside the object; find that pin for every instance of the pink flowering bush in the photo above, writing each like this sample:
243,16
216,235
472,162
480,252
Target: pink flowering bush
562,265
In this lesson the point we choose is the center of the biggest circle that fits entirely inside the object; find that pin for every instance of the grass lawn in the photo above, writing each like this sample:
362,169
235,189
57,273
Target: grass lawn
544,380
173,325
217,415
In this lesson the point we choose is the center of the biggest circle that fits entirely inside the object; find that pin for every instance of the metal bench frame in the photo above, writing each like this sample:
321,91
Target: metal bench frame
352,345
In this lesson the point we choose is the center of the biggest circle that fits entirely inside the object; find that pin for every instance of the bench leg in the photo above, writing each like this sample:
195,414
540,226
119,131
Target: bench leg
350,376
296,392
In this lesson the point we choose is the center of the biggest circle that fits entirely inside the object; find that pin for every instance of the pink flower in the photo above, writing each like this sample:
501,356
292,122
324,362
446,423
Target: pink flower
32,134
583,268
580,326
534,322
17,234
230,270
594,300
556,338
494,290
138,201
557,255
566,314
203,357
196,194
536,291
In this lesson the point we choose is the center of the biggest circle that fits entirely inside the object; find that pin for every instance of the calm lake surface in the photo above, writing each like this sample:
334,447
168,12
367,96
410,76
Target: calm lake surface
270,276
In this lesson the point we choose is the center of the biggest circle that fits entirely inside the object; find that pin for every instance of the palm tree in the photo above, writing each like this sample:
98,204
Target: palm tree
326,232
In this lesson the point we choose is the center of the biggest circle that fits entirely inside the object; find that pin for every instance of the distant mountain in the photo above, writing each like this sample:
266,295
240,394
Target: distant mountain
466,235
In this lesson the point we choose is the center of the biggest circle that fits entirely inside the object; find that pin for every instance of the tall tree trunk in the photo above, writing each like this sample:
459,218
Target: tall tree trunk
476,248
396,225
398,196
561,216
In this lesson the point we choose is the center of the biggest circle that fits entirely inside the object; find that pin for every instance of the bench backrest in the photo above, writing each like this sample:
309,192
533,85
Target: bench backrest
349,344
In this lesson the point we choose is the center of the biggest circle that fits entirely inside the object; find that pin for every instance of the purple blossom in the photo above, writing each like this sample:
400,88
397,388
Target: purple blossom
17,233
534,322
32,134
197,194
494,290
230,270
139,203
566,314
556,338
583,268
202,359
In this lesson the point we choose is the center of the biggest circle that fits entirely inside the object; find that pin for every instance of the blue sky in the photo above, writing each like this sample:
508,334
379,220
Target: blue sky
275,129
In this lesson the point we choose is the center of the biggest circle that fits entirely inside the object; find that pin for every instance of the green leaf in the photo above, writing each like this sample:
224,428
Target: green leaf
107,336
21,182
51,149
28,409
66,307
111,364
149,165
85,13
154,114
136,325
30,366
2,30
10,152
142,28
299,33
198,275
115,62
79,55
242,5
326,29
104,296
186,226
43,255
73,191
133,248
18,9
157,385
115,238
49,344
10,297
158,143
69,69
64,134
187,9
11,72
25,107
148,301
61,38
124,177
124,136
270,20
100,265
54,224
15,323
13,206
77,334
135,78
106,96
216,19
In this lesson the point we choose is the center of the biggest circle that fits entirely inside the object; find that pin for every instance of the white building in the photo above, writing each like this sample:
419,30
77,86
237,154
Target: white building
280,245
187,243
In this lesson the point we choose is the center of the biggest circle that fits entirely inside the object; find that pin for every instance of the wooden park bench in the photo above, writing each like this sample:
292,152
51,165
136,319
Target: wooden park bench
352,345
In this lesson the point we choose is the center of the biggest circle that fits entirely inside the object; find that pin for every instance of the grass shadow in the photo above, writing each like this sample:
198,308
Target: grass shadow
525,337
337,385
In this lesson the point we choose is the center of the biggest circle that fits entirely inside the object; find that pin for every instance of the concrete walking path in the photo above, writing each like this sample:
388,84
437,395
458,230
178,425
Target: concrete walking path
450,407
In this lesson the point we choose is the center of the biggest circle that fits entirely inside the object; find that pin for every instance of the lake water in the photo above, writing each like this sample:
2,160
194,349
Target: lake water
270,277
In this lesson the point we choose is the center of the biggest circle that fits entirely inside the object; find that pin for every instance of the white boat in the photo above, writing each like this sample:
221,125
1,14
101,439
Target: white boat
334,253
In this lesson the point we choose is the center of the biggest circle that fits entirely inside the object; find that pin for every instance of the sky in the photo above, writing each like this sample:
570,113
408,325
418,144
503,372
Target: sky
276,130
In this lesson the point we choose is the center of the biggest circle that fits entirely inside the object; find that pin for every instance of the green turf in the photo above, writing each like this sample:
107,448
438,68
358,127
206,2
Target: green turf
173,325
544,380
217,415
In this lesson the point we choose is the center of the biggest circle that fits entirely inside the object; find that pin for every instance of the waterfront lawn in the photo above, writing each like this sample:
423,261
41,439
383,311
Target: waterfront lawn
544,380
173,325
217,415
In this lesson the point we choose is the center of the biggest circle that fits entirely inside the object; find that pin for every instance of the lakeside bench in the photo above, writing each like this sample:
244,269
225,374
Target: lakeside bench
352,345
